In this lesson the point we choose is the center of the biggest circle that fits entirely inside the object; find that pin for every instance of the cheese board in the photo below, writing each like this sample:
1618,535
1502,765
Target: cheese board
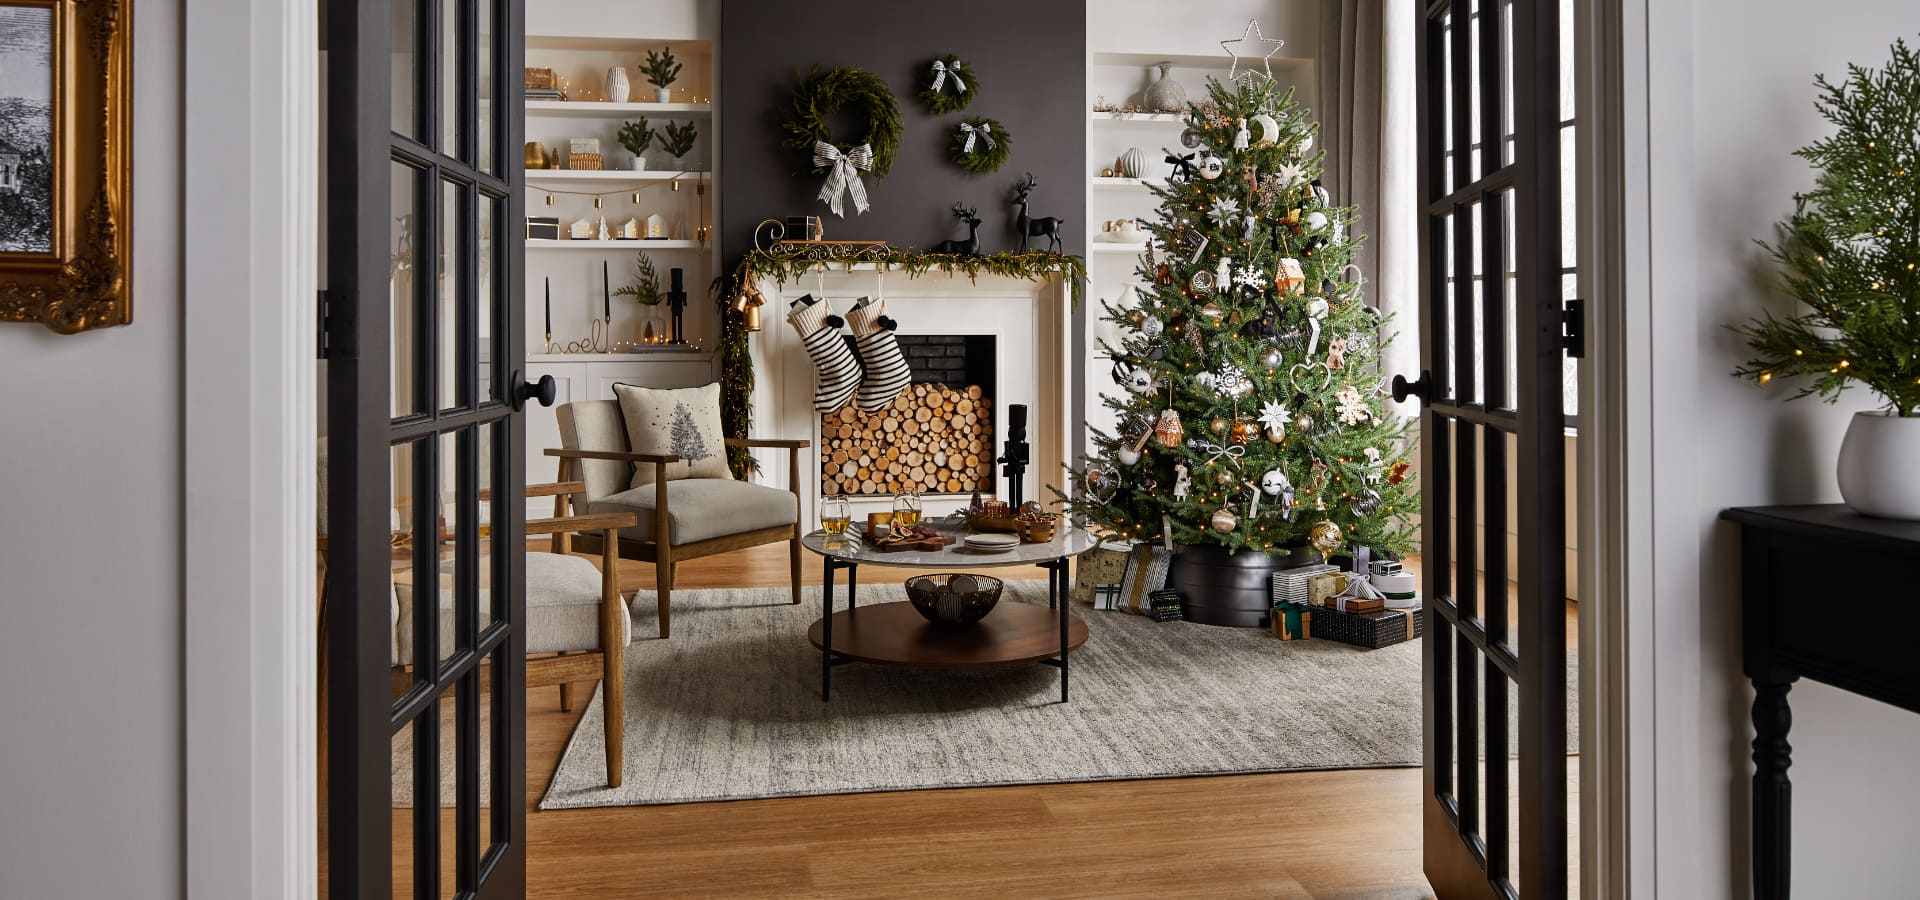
920,538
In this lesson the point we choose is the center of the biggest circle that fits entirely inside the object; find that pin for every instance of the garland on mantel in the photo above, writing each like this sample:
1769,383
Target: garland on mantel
787,263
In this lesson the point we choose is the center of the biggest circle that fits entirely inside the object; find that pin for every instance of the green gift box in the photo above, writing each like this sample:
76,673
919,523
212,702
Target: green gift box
1292,621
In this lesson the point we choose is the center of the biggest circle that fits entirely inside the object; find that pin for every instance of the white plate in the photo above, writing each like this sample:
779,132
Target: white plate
993,541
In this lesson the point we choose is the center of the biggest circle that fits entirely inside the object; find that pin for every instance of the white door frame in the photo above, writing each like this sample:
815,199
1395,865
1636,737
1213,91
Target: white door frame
251,251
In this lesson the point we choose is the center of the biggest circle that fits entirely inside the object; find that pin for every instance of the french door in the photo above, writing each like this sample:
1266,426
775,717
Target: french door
1494,676
425,653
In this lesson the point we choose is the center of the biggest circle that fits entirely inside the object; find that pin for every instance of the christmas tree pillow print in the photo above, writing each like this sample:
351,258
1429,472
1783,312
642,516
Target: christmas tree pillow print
684,422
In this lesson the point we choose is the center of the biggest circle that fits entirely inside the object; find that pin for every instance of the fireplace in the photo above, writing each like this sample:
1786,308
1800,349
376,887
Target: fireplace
936,438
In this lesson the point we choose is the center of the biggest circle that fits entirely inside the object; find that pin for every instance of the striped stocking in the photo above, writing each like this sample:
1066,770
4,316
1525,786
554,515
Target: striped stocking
838,368
887,372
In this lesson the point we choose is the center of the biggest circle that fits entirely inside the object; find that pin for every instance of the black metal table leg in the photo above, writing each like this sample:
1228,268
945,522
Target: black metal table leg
826,628
1772,791
1060,592
853,585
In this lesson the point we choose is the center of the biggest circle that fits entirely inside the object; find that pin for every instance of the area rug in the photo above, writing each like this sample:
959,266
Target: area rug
730,708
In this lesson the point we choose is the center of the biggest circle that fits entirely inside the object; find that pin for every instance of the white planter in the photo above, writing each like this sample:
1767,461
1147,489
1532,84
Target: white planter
617,85
663,95
1877,465
639,163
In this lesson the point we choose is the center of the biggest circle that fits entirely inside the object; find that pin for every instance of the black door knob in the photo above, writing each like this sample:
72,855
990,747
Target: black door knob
543,390
1423,388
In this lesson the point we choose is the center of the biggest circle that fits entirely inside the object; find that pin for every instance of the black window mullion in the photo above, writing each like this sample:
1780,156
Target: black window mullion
466,625
467,289
426,661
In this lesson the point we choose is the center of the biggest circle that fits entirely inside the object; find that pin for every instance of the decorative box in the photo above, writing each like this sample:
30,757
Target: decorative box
584,145
543,228
1147,568
1098,568
1369,629
583,162
1107,597
1295,585
1292,621
1348,604
541,79
1384,567
1165,605
1398,589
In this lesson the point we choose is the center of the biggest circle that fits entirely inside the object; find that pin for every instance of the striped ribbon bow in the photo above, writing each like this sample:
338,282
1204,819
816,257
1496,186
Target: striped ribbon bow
984,132
843,175
940,74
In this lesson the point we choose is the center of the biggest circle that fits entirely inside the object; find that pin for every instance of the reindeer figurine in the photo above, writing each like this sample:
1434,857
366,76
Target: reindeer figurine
970,246
1048,227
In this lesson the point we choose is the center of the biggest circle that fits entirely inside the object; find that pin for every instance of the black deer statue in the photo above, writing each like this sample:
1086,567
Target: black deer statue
970,246
1048,227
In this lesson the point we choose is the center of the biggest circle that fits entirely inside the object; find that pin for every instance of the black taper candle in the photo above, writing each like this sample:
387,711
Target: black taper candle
549,284
606,292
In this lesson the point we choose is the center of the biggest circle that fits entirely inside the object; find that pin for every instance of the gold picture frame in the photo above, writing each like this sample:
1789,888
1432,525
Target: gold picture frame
65,175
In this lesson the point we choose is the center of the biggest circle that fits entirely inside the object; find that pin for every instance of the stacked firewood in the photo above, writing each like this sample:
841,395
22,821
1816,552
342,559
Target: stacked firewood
932,438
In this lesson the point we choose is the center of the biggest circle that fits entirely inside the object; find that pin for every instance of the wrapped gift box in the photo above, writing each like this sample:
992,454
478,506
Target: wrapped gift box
1147,568
1372,630
1098,568
1296,585
1165,605
1292,621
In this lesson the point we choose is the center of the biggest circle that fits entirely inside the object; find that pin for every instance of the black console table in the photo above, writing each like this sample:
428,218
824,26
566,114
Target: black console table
1795,560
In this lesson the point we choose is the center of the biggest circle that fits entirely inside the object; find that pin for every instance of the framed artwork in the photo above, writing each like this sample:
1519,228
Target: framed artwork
65,174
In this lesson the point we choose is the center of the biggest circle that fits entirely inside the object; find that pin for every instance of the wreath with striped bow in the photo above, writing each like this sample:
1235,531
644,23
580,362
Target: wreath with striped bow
980,145
947,85
819,95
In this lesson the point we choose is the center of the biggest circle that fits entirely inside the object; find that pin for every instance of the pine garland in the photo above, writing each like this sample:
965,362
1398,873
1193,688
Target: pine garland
789,264
1851,249
947,99
992,144
819,96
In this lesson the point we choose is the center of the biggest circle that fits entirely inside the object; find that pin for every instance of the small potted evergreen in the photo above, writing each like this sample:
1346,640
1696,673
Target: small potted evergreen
662,70
1850,253
636,137
678,141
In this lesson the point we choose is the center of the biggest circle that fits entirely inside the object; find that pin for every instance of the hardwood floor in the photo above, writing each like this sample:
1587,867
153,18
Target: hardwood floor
1344,834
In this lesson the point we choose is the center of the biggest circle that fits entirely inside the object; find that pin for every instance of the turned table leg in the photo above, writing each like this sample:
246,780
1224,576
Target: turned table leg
1772,791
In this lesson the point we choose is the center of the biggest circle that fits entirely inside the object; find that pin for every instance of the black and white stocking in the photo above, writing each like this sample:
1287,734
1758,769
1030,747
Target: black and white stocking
839,369
887,373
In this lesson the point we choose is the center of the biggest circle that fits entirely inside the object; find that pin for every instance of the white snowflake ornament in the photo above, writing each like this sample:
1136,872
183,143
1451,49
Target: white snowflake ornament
1249,277
1352,409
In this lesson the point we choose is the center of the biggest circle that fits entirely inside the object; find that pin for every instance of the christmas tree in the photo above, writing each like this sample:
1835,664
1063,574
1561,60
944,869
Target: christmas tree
1251,414
685,439
1851,249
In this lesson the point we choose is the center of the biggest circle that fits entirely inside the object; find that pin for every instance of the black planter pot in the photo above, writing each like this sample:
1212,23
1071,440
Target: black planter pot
1233,590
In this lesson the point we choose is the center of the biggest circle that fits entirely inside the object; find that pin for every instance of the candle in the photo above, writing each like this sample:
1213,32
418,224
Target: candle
549,283
606,292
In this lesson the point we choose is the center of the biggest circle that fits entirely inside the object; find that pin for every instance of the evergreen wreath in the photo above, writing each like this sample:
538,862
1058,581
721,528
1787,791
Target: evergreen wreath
821,95
948,97
991,145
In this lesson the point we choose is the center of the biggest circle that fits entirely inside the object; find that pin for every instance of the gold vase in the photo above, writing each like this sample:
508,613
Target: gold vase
536,156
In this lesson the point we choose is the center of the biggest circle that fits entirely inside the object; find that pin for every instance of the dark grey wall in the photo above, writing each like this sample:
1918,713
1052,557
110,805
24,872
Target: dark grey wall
1030,57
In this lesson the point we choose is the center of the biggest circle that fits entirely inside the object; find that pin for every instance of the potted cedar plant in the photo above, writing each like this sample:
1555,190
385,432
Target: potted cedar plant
1850,253
635,137
662,70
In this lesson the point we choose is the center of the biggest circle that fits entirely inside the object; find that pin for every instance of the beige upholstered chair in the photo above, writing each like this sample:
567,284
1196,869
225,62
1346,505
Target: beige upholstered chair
682,519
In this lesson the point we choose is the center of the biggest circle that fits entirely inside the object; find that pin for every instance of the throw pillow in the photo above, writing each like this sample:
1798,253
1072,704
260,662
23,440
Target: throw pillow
682,421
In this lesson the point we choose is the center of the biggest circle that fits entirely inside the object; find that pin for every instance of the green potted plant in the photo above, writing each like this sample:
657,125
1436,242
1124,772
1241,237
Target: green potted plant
662,69
636,137
1850,253
645,290
678,141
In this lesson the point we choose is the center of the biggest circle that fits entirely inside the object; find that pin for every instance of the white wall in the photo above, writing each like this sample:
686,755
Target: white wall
90,555
1728,99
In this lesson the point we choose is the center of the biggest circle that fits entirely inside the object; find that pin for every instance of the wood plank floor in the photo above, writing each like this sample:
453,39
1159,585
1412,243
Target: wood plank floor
1344,834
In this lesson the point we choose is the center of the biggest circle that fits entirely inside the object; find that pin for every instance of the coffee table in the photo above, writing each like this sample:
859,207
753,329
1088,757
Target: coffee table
895,634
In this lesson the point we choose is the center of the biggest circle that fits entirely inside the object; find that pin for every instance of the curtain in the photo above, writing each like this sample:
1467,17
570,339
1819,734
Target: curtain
1366,111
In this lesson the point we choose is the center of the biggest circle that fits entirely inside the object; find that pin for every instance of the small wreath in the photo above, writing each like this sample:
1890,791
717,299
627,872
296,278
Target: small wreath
980,145
820,95
948,85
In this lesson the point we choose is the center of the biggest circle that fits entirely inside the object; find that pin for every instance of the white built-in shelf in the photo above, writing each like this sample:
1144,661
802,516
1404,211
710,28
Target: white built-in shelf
1117,247
1142,118
1192,60
1126,184
651,353
557,177
595,42
538,244
603,108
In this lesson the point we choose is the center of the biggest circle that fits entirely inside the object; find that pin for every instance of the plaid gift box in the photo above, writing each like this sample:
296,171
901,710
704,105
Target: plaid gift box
1292,621
1166,606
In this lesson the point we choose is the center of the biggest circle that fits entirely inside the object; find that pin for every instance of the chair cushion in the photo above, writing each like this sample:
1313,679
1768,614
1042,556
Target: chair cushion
597,425
700,509
563,607
682,421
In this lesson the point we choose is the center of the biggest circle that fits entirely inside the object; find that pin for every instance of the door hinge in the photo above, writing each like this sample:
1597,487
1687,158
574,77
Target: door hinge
1573,328
320,334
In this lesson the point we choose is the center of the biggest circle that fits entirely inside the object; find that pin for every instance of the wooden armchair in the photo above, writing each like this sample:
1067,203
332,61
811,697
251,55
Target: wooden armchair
682,519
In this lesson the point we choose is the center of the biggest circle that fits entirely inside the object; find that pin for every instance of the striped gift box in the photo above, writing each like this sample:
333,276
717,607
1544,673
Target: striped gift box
1296,585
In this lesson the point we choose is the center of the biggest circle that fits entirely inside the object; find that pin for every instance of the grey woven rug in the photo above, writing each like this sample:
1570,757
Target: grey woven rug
730,709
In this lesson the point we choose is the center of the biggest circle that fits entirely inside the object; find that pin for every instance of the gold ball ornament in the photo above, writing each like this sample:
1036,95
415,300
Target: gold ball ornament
1218,426
1213,312
1224,520
1276,435
1324,537
1271,357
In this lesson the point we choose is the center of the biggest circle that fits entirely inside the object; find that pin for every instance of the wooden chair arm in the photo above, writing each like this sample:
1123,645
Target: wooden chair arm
594,522
555,489
768,442
615,455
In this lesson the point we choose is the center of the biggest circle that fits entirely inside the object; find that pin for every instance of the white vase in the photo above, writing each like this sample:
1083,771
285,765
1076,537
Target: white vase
1163,94
1877,474
1133,163
639,163
663,95
617,85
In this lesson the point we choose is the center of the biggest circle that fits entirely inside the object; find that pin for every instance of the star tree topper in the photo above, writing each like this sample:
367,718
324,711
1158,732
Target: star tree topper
1250,38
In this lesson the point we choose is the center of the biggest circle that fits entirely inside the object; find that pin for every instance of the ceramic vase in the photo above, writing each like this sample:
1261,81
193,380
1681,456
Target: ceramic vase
1133,163
639,163
1163,94
617,85
663,95
1877,475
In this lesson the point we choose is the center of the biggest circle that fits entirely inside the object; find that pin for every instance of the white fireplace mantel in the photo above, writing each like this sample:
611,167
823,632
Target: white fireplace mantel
1029,318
